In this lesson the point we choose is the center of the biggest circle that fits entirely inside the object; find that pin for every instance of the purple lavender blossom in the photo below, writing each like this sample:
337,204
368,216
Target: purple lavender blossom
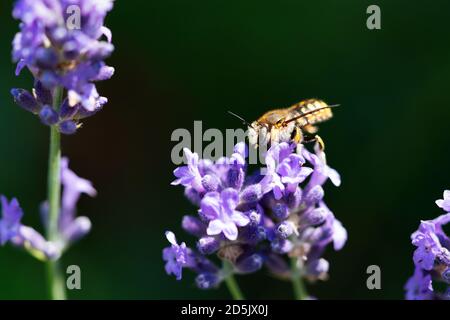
12,230
175,256
189,176
63,43
258,219
431,257
10,222
71,228
219,209
444,203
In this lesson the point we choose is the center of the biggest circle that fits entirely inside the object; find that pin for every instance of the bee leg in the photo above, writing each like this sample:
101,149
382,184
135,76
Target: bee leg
298,135
316,138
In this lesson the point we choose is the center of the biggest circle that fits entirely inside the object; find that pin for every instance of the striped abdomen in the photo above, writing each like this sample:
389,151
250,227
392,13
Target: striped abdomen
311,112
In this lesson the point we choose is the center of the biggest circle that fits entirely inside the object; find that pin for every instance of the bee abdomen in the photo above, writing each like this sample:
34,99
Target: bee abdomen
315,111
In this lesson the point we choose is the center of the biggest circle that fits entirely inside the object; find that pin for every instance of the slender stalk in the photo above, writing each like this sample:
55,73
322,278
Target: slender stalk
297,282
231,282
56,283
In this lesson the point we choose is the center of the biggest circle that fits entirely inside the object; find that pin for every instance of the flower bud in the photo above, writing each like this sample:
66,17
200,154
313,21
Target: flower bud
57,35
71,50
317,268
315,217
255,218
280,210
285,229
253,234
43,95
281,246
210,183
49,79
235,177
46,58
48,116
105,73
67,112
249,264
193,225
295,198
314,195
252,193
208,245
100,51
192,195
77,229
67,127
207,280
25,100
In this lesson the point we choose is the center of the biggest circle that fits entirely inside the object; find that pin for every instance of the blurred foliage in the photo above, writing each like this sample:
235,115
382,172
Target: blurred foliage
178,61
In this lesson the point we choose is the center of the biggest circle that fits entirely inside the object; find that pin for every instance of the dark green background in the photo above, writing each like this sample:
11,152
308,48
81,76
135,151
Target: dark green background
180,61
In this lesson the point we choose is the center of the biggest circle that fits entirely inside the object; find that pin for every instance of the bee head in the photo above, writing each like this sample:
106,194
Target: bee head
253,133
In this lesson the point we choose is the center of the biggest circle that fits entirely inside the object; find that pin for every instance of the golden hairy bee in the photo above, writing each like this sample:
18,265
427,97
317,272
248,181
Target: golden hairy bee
296,123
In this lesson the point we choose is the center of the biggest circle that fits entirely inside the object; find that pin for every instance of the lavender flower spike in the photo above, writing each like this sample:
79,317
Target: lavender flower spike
64,51
264,218
10,222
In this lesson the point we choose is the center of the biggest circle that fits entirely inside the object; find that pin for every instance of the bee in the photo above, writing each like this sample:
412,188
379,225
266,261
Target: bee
296,123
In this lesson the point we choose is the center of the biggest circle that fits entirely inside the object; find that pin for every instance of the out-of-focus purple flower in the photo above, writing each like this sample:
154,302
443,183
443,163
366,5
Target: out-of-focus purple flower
31,240
11,229
444,203
70,227
73,187
10,221
317,269
257,219
63,43
175,256
419,286
431,257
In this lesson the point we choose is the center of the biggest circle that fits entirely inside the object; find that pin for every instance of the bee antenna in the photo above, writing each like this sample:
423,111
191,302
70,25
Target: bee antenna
240,118
334,105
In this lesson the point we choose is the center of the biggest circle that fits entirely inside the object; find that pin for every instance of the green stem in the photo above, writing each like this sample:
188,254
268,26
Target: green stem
55,279
297,282
231,282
